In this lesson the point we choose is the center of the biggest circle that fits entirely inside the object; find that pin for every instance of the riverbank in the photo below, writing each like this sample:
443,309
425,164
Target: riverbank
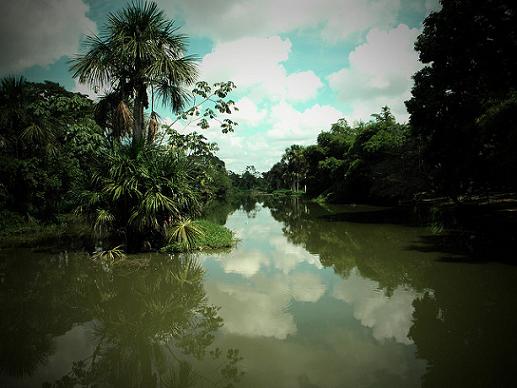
472,230
66,232
71,232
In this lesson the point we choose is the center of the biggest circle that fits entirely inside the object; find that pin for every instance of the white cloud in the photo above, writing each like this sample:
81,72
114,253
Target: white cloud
280,126
255,65
379,72
224,20
301,127
272,116
34,32
249,114
390,317
345,18
86,89
254,311
247,61
306,287
302,86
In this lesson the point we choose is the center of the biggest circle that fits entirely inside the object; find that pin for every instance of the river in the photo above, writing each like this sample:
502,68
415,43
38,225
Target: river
311,296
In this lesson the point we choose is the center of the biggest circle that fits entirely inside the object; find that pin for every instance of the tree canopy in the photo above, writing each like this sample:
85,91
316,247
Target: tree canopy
139,51
463,101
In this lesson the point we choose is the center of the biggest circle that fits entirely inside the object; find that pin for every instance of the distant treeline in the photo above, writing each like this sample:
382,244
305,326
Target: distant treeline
369,161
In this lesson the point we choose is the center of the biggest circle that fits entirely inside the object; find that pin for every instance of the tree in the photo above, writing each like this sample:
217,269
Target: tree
371,161
148,177
138,52
295,162
38,160
250,179
469,51
275,176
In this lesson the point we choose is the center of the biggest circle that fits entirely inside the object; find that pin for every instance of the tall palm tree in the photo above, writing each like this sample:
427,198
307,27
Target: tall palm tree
138,54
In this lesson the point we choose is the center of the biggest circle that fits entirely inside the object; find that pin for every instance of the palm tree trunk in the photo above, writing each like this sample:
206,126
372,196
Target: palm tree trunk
138,116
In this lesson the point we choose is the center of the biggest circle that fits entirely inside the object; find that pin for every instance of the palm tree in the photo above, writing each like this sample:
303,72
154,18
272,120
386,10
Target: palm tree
138,55
133,198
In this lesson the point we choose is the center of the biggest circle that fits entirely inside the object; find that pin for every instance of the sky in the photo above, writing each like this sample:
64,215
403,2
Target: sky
299,65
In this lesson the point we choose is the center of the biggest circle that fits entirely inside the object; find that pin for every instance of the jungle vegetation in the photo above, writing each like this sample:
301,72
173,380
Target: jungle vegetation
111,161
461,137
136,181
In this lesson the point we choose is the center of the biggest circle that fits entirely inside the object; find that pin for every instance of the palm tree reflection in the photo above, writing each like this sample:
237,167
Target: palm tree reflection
152,326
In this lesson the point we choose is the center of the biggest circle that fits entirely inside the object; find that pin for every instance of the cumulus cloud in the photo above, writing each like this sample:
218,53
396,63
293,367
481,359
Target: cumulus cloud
390,317
280,126
259,310
35,32
248,60
261,306
283,125
278,109
282,255
304,126
345,18
379,72
87,90
249,114
302,86
223,20
255,65
306,287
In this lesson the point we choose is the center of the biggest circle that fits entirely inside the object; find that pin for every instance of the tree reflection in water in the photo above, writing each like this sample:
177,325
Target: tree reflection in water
463,317
36,295
152,324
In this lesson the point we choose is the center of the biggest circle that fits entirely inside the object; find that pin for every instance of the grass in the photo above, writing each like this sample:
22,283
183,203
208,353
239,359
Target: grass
212,237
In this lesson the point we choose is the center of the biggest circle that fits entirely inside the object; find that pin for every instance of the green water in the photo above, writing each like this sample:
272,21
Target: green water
310,297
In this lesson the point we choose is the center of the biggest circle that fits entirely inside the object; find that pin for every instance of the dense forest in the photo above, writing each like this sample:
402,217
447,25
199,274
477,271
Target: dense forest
378,254
139,183
461,137
135,182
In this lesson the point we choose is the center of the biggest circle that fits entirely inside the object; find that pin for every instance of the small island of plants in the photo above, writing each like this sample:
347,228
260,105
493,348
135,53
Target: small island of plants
198,235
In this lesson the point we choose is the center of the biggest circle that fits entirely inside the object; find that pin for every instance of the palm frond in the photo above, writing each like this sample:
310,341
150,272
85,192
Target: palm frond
110,255
95,67
37,134
184,232
174,95
102,222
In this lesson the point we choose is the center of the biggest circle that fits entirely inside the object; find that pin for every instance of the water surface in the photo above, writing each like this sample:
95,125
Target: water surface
312,296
